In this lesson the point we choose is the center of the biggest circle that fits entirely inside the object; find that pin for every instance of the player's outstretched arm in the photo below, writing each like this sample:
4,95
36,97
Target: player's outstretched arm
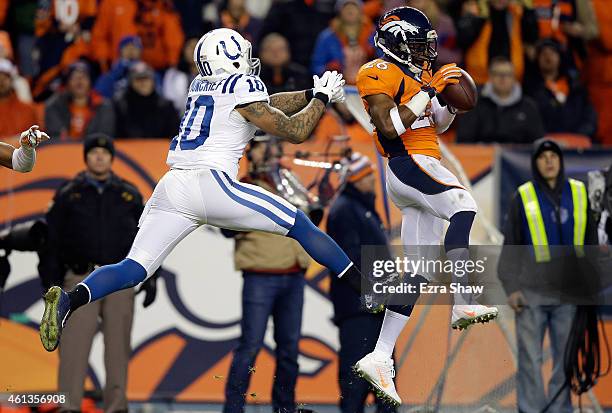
295,129
290,103
298,127
22,159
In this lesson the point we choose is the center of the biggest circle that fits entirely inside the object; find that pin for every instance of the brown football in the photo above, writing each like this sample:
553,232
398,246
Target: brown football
463,95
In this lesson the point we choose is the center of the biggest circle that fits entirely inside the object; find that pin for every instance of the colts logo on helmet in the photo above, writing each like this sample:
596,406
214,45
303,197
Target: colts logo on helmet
395,26
230,56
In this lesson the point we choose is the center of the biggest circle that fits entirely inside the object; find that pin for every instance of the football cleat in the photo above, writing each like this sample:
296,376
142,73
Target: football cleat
377,369
57,309
466,315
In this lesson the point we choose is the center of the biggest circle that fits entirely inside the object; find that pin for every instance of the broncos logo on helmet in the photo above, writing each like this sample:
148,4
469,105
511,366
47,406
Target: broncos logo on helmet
400,27
405,35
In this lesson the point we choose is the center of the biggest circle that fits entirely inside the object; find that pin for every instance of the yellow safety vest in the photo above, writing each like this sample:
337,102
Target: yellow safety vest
535,222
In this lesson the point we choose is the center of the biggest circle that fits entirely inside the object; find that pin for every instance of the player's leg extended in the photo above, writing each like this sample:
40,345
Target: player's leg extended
243,206
443,196
419,227
160,231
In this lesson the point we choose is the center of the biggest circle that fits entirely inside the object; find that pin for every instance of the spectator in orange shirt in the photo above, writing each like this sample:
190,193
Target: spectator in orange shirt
15,115
78,111
495,28
154,21
598,71
234,15
58,28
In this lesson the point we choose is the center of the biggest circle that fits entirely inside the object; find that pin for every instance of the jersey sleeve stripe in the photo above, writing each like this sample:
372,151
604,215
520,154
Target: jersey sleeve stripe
277,220
233,85
226,82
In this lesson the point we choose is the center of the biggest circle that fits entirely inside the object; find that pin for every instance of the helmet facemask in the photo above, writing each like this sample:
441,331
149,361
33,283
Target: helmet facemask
254,65
424,52
417,54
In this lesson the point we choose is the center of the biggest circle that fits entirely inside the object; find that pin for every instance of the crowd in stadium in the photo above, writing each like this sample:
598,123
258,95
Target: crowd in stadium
123,67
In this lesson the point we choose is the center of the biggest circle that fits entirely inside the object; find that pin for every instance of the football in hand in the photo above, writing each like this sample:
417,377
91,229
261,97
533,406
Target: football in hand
463,95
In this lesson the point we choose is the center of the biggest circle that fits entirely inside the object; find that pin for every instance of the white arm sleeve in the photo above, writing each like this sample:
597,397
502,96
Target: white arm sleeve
23,159
442,117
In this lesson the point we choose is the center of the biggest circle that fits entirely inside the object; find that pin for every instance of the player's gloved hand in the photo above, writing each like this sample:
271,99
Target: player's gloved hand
149,287
327,86
338,96
447,75
33,137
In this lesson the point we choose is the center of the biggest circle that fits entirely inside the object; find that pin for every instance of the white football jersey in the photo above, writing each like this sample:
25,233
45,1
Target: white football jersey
212,134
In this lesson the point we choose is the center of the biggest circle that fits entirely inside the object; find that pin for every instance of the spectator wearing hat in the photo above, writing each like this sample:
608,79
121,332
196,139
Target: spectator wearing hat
140,111
77,111
347,43
546,213
115,80
15,114
563,102
93,221
353,222
278,72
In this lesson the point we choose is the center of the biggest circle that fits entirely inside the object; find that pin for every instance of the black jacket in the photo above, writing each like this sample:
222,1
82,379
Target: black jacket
145,116
89,224
576,115
489,122
352,222
517,269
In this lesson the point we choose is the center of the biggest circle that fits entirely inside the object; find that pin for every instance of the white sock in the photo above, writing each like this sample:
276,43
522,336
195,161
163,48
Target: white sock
458,255
393,324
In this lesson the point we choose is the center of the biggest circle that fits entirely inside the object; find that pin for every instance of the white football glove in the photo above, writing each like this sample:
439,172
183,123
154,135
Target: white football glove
331,85
33,137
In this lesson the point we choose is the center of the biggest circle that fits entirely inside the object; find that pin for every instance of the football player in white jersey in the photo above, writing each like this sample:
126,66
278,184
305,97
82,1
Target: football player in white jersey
22,159
226,103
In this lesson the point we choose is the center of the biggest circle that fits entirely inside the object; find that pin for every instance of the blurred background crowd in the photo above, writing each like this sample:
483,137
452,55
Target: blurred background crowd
122,67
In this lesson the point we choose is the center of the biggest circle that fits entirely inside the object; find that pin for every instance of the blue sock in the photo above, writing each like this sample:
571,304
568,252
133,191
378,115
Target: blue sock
458,232
318,244
456,244
106,280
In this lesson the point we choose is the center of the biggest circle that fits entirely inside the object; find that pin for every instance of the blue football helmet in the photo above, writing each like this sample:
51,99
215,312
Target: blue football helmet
405,35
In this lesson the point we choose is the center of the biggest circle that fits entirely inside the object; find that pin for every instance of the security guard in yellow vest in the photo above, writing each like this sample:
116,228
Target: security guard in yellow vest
550,210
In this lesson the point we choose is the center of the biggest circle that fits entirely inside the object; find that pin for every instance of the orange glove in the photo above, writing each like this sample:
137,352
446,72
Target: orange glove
447,75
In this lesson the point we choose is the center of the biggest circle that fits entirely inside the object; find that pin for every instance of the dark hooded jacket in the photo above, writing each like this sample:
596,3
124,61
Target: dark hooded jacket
517,267
352,222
